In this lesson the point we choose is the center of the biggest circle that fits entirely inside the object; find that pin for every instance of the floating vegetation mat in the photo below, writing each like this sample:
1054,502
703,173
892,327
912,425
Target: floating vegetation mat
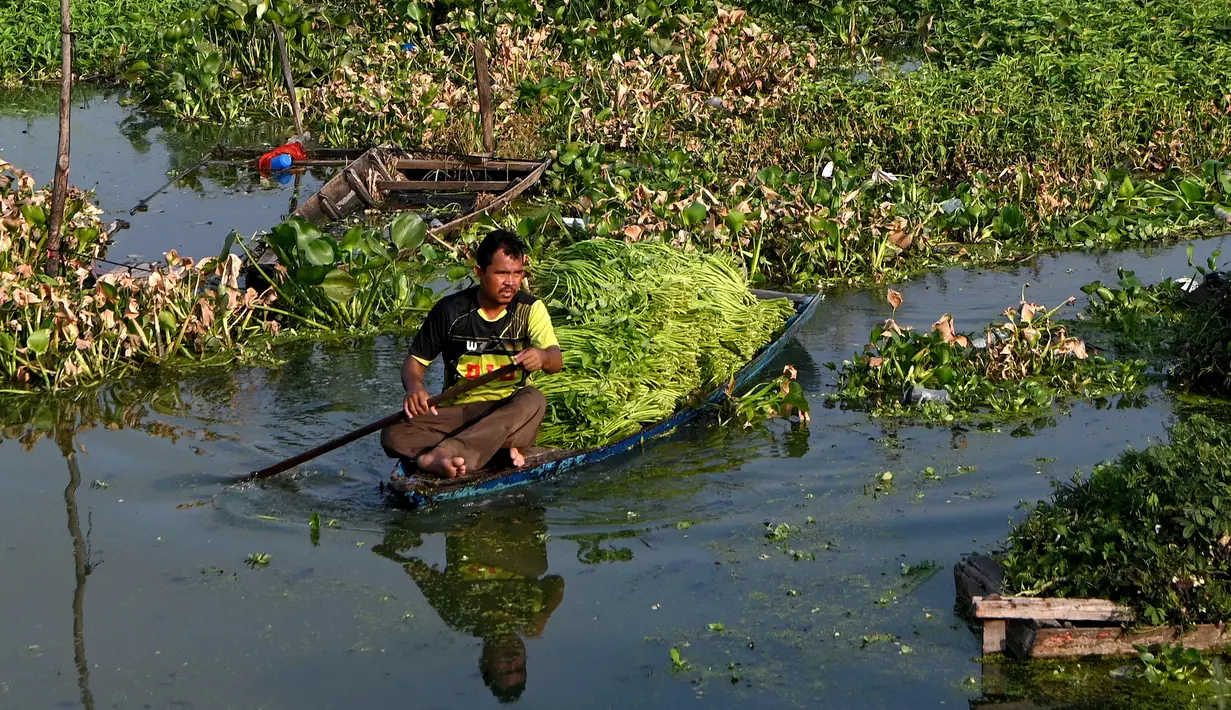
1150,530
643,326
75,329
1182,324
1015,366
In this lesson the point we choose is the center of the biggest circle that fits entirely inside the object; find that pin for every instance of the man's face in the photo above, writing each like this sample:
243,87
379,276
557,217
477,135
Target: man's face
501,280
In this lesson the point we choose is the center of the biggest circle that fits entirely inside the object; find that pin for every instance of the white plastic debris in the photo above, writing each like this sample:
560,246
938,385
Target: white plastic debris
881,177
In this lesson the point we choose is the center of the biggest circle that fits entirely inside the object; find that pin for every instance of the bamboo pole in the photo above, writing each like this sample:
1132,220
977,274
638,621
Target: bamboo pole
59,188
485,96
290,81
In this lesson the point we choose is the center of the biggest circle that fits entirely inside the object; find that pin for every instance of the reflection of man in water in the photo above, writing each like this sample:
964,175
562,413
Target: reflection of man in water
495,586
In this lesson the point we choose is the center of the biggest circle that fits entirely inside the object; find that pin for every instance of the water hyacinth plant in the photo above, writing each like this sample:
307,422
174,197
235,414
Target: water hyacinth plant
951,135
1149,530
1018,365
360,282
1182,325
79,328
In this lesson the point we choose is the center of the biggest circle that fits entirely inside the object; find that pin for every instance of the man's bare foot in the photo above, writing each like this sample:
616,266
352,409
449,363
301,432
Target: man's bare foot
441,464
518,459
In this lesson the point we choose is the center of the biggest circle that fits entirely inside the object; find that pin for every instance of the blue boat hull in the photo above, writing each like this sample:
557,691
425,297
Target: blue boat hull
405,490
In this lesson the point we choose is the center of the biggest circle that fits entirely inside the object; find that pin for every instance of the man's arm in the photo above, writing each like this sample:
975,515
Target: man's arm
544,353
424,348
416,394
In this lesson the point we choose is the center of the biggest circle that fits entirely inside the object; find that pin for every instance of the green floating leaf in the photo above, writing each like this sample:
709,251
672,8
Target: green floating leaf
319,252
352,241
662,46
339,286
422,299
312,275
302,231
408,231
34,214
1192,191
695,213
39,341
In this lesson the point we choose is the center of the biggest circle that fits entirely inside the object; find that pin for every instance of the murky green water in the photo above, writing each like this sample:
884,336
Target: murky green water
132,590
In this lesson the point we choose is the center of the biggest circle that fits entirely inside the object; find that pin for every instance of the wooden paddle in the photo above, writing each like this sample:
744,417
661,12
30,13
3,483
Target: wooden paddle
452,393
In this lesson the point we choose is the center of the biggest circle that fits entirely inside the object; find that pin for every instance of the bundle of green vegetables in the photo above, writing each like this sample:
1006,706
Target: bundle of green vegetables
643,326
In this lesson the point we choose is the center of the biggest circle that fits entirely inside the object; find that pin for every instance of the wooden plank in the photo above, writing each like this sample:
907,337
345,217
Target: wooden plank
356,184
1019,637
486,114
330,208
441,185
337,198
475,163
993,636
290,81
495,205
1043,608
309,163
1115,641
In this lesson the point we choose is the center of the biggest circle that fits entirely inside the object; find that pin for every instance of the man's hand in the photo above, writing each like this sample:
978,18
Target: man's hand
548,360
531,359
416,403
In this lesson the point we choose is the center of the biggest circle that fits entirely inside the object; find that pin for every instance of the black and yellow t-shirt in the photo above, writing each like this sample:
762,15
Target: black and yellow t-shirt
471,344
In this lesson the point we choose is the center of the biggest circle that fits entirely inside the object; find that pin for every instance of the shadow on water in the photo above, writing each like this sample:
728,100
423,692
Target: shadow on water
82,565
494,585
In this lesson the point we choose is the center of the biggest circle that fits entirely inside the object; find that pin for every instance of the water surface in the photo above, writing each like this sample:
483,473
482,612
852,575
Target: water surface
126,155
580,586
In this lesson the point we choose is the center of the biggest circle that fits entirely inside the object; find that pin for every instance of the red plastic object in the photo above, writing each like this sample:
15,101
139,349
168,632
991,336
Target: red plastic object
295,150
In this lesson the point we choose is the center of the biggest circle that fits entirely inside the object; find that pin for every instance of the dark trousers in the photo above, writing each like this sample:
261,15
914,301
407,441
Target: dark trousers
474,431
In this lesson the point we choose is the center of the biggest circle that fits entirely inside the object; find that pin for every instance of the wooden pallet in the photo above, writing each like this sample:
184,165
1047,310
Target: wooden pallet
1038,627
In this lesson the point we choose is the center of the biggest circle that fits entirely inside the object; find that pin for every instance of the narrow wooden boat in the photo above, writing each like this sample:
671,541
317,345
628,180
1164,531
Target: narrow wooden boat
410,489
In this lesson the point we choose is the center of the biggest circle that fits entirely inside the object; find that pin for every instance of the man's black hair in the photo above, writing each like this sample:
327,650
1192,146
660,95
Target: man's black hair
507,695
506,645
499,240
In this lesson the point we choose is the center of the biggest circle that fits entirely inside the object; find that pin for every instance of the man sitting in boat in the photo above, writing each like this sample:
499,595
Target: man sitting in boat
476,331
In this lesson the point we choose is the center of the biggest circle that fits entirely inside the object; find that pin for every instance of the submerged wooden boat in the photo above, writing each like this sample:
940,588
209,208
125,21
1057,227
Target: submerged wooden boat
410,489
393,179
459,188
